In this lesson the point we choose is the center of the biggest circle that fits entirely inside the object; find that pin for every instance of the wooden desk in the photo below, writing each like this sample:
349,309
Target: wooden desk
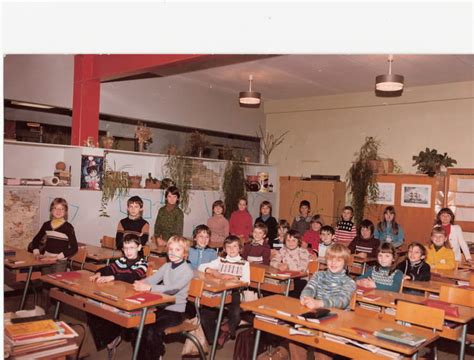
67,292
273,273
341,326
466,265
388,299
217,286
432,286
363,262
25,260
101,254
458,275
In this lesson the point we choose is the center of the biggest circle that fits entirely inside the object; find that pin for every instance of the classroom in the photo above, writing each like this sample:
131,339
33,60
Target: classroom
229,205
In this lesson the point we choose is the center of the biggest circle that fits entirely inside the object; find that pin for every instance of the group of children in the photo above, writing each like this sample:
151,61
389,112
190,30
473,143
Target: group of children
267,241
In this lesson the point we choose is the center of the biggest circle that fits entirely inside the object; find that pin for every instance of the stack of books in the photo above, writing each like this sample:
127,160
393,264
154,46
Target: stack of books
398,336
35,339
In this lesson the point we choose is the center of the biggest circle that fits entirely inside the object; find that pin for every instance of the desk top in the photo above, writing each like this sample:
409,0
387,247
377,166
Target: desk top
341,326
216,285
462,274
24,259
387,299
432,286
119,289
98,253
274,273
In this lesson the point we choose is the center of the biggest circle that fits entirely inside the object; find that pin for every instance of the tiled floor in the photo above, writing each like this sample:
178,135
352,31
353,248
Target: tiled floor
447,349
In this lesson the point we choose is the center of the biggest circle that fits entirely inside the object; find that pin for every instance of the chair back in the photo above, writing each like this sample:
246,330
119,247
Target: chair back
420,315
196,287
107,242
313,266
149,270
146,251
456,295
79,257
257,275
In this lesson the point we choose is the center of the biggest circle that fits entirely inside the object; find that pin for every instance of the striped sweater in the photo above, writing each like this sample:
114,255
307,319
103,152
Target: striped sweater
126,270
345,232
334,289
383,280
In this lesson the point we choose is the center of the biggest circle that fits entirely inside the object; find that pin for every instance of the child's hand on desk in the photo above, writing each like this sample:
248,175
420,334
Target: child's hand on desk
94,277
105,279
141,286
367,282
407,277
282,267
311,303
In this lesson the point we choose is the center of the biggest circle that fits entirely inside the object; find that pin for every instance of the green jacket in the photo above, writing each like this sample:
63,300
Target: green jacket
169,223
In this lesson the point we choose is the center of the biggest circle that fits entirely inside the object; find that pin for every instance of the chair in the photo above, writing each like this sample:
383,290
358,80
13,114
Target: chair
78,258
257,275
456,296
146,251
107,242
313,267
149,270
195,291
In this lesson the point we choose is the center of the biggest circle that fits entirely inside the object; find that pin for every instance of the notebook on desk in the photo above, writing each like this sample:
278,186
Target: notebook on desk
402,337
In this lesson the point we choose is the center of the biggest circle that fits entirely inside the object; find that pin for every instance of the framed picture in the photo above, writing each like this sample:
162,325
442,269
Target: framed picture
92,171
386,194
416,195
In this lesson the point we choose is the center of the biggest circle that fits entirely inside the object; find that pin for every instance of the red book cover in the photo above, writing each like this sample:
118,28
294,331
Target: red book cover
66,275
447,307
361,290
371,297
141,298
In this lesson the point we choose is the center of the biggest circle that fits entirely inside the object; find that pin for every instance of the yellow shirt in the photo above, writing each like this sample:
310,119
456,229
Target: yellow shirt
442,259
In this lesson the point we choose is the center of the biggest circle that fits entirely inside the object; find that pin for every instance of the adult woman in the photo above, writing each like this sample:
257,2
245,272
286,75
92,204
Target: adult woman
445,218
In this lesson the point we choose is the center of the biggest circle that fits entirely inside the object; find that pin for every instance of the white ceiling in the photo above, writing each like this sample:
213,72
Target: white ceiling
292,76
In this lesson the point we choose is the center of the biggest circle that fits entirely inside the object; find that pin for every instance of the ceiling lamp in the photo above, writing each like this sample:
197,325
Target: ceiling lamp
389,84
250,98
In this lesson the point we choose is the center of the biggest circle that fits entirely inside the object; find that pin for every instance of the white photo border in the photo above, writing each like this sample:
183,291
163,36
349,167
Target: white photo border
423,191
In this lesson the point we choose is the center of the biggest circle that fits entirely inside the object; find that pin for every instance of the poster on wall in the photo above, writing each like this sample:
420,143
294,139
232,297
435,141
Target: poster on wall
416,195
386,195
92,169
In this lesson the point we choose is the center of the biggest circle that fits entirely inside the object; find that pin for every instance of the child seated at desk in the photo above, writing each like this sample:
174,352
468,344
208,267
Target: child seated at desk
364,244
56,239
283,227
172,278
129,268
228,268
415,267
330,288
440,255
292,257
312,237
327,239
133,223
346,230
200,253
257,251
384,275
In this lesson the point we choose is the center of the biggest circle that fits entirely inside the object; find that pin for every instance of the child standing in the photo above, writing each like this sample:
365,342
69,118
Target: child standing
133,223
302,221
415,267
218,224
292,257
345,229
129,268
240,223
388,230
384,275
312,237
440,255
327,239
445,218
172,278
257,251
364,244
267,219
170,218
330,288
228,268
56,239
283,227
200,253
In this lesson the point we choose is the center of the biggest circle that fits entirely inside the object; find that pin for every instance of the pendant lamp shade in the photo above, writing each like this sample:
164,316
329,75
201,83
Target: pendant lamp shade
389,84
250,98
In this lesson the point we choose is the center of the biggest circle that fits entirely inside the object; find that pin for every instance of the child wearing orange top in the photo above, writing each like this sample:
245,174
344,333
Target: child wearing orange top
440,255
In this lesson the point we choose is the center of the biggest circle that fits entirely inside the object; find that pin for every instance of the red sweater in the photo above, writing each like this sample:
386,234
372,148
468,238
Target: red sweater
241,224
312,238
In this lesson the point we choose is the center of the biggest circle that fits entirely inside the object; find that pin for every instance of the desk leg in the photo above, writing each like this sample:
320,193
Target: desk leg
25,291
363,268
255,346
56,310
219,321
288,284
139,335
463,342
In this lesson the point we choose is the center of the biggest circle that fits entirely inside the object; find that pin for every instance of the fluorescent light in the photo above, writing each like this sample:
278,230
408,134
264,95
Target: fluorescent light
39,106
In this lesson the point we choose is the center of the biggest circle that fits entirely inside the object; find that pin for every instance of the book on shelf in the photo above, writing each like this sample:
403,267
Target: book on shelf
29,348
361,290
269,319
402,337
31,329
370,307
371,297
449,309
143,297
467,287
64,332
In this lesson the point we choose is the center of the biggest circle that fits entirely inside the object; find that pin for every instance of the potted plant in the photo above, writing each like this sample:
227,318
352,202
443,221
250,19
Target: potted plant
361,177
233,185
197,143
115,184
268,143
430,162
152,182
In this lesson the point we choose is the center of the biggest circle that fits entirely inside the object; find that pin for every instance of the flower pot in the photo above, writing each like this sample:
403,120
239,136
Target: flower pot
382,166
135,181
150,184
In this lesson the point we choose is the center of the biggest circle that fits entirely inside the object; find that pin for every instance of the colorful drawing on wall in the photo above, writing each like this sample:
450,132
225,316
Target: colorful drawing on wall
386,194
92,170
416,195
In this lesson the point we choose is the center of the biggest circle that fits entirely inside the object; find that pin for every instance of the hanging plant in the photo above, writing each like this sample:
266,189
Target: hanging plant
115,184
361,179
233,185
178,169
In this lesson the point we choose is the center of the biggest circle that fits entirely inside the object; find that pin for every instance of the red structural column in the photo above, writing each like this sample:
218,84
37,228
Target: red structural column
85,102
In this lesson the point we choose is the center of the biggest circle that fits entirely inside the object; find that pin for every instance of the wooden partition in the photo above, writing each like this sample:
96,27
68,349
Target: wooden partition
417,222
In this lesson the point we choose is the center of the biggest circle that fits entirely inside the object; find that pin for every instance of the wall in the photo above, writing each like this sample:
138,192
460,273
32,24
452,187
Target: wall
326,131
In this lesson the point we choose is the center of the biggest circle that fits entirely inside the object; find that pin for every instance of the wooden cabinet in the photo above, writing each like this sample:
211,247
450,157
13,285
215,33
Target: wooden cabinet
459,190
327,198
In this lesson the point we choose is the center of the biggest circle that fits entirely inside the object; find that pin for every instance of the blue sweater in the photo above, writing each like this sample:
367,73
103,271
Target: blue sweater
397,240
384,281
334,289
198,256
